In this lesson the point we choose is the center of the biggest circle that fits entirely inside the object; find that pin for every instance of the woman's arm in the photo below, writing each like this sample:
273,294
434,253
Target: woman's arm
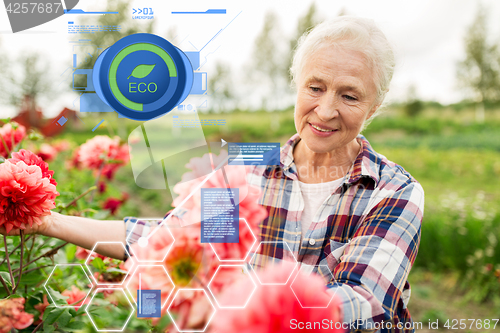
81,231
372,274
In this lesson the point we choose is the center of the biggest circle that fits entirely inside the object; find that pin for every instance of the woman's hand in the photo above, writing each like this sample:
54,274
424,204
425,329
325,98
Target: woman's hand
35,229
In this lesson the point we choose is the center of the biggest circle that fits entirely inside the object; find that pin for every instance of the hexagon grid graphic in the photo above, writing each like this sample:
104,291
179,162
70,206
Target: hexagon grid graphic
188,292
65,272
108,278
148,277
120,321
234,303
161,235
282,253
226,256
304,292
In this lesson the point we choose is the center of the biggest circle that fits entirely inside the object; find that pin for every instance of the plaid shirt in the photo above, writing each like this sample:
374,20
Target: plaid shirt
367,232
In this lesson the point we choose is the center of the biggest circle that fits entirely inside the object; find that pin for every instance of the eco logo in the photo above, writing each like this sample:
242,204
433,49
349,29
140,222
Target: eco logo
143,76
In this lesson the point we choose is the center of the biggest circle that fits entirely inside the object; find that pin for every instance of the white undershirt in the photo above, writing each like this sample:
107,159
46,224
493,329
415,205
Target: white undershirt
314,195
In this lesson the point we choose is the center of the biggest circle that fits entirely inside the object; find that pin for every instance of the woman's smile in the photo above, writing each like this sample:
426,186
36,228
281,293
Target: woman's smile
321,130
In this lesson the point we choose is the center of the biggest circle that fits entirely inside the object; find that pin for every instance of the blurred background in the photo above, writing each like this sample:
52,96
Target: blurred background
441,120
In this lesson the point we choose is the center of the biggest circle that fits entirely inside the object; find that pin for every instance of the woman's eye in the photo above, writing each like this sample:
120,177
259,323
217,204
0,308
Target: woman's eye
351,98
315,89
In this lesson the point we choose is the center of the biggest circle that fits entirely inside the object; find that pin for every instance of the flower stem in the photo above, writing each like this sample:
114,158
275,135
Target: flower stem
78,197
5,145
12,252
47,254
21,232
97,180
34,269
12,138
30,251
8,259
38,327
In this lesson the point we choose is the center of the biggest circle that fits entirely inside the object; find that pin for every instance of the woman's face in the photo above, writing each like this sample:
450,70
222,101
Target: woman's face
336,93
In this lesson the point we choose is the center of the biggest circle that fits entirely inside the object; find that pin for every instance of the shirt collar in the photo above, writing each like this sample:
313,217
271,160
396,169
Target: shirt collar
367,163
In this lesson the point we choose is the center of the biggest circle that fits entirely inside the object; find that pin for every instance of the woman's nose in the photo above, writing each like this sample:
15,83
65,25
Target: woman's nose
328,107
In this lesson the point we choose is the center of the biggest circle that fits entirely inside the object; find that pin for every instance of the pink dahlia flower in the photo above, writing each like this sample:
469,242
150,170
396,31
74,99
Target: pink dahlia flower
10,136
61,145
32,159
152,277
76,297
25,195
274,308
113,204
47,152
103,151
12,315
201,168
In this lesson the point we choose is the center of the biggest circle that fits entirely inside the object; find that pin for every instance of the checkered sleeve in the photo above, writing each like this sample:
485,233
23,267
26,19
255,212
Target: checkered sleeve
136,228
374,267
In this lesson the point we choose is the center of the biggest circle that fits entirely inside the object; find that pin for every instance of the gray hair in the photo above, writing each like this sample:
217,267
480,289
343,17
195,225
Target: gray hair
360,34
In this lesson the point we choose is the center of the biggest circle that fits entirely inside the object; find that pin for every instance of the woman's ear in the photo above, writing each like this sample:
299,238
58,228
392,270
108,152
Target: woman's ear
372,111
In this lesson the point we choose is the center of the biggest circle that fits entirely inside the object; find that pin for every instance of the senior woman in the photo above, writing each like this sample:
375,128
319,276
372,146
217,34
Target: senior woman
332,199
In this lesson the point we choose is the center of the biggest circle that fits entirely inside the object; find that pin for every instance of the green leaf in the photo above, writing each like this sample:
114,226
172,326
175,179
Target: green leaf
58,298
142,71
99,264
74,325
47,311
32,278
163,323
61,316
48,329
81,310
70,252
6,278
72,311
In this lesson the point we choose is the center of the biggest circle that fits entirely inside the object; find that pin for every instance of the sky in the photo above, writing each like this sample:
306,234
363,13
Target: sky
427,37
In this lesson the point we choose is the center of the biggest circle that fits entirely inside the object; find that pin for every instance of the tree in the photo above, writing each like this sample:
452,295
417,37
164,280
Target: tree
27,78
221,84
479,72
414,105
267,69
306,23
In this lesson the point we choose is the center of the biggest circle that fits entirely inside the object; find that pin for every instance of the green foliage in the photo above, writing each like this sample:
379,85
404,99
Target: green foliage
434,315
480,71
412,109
221,84
305,24
26,76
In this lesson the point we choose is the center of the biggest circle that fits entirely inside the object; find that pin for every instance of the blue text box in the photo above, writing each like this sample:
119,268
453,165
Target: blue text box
148,303
256,153
220,215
